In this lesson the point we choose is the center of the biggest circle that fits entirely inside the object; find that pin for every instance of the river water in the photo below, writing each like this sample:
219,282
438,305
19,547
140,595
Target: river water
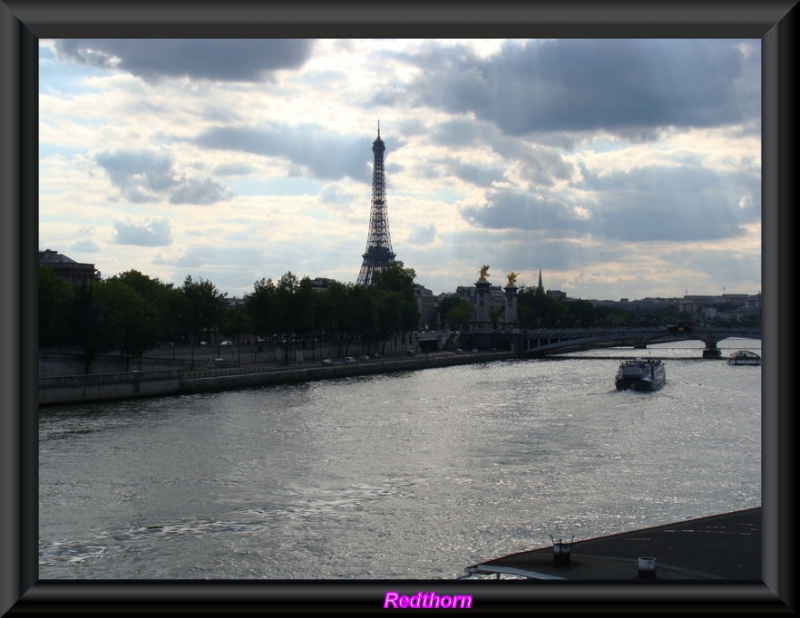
405,475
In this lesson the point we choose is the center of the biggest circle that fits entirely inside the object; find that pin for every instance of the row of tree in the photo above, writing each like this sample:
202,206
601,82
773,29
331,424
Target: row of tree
535,309
132,313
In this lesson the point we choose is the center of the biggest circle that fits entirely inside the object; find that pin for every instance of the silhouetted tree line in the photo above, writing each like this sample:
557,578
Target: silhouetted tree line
132,312
535,309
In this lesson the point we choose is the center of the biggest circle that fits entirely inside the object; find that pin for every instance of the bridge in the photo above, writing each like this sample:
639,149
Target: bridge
542,342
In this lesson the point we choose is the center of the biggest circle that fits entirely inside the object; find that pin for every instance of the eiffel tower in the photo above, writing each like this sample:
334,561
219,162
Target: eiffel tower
379,246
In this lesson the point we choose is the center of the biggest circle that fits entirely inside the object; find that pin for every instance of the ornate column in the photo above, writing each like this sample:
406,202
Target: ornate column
482,285
510,316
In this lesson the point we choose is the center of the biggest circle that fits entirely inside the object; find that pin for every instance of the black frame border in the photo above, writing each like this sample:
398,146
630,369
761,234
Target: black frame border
24,22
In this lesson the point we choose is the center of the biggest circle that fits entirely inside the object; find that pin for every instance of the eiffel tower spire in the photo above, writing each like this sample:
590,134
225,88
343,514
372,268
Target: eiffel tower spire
378,254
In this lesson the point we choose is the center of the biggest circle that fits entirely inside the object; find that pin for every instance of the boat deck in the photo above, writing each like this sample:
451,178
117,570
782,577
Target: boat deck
724,546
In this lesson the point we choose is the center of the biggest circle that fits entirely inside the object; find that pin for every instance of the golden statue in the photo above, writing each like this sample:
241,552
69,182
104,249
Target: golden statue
484,272
512,279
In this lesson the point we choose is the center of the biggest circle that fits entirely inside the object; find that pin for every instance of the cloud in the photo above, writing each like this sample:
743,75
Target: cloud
234,169
482,176
151,233
514,209
654,203
229,60
85,246
422,235
539,164
313,148
624,87
147,176
335,193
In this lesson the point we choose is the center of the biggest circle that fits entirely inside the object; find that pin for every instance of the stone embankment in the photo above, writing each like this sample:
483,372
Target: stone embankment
124,385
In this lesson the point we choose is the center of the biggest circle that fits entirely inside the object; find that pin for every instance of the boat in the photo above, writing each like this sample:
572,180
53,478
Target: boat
744,357
641,375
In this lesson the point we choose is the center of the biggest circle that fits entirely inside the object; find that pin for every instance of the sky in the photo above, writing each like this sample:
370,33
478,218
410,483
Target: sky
618,168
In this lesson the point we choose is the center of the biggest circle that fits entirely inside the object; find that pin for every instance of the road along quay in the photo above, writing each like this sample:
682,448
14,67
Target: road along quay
73,389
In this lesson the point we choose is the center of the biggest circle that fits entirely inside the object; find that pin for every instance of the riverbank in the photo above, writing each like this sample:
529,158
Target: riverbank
61,390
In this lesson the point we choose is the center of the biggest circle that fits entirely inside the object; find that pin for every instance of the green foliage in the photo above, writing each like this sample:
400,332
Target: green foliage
457,315
395,299
91,326
55,296
261,307
159,299
132,321
537,310
205,307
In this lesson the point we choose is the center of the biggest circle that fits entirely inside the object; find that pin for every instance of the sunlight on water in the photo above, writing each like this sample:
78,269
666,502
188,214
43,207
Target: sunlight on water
408,475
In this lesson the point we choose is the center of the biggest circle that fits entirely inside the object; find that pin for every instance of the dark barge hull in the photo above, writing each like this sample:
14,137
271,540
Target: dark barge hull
631,384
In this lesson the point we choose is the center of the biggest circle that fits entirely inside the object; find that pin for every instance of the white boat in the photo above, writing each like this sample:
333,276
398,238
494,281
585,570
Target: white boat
641,375
744,357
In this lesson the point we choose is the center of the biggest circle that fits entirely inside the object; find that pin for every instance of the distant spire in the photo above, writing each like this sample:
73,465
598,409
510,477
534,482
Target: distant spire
540,287
379,128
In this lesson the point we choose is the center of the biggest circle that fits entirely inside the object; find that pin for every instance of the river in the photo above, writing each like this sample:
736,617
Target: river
404,475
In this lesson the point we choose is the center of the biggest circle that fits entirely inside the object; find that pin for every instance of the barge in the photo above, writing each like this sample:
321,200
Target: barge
641,375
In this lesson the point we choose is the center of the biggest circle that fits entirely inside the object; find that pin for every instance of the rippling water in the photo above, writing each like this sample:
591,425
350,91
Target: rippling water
406,475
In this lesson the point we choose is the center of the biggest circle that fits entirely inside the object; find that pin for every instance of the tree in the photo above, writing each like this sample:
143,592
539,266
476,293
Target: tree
361,314
295,308
459,314
333,312
55,296
90,326
399,280
235,321
158,297
389,311
260,306
132,321
205,306
538,310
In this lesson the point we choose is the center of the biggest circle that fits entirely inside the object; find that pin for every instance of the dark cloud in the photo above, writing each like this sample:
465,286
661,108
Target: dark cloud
86,246
539,164
154,233
244,60
234,169
651,204
336,194
422,235
475,174
630,87
147,176
677,203
316,151
514,209
201,191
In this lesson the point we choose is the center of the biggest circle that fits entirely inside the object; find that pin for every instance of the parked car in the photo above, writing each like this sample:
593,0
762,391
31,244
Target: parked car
327,361
227,343
349,359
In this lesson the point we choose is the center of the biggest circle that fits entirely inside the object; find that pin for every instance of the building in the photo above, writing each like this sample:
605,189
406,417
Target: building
427,304
320,284
67,268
